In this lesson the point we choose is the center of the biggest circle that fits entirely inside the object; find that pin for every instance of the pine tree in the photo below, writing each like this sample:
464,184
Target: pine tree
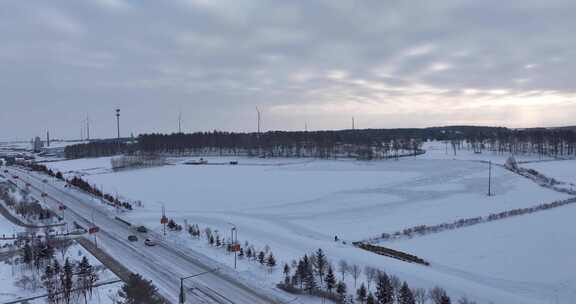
320,264
330,280
27,254
271,262
138,291
370,299
66,281
286,272
384,290
261,257
406,296
49,284
341,290
361,293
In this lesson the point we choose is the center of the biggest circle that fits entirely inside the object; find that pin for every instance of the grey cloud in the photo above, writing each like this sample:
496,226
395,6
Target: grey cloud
221,58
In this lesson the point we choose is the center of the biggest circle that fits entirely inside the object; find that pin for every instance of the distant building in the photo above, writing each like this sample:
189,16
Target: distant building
37,144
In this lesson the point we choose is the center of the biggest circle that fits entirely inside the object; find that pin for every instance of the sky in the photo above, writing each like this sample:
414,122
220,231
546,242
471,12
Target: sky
389,64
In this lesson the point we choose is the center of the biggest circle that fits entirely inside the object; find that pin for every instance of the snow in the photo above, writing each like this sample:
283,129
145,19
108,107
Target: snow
296,206
561,170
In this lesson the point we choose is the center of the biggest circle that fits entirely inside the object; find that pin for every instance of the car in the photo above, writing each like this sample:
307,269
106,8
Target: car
142,229
149,242
44,180
15,176
5,171
133,238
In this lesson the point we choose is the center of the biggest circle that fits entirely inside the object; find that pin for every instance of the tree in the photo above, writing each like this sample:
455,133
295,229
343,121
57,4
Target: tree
396,285
384,291
138,291
341,290
320,264
261,257
86,278
361,293
330,280
27,255
406,296
49,284
343,269
464,300
271,262
439,296
66,281
420,295
370,299
370,274
356,271
286,272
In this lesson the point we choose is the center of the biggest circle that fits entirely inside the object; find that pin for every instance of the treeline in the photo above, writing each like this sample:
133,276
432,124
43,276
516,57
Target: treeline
27,208
97,149
421,230
314,274
363,144
111,200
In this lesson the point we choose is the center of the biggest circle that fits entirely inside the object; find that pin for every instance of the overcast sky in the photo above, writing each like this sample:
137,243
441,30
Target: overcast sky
388,63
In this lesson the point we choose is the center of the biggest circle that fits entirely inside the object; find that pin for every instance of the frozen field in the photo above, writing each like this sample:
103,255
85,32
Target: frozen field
296,206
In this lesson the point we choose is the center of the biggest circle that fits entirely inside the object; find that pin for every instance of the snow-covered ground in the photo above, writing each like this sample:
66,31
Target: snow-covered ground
562,170
296,206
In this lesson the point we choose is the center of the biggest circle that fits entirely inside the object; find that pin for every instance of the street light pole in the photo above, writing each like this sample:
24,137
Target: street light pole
182,296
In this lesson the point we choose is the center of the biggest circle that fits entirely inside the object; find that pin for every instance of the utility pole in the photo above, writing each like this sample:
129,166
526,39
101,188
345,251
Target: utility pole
118,122
489,178
180,122
47,138
259,119
353,126
88,127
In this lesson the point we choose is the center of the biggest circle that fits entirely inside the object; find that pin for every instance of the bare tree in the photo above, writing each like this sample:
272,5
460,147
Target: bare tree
356,271
437,294
464,300
420,295
396,286
343,268
370,273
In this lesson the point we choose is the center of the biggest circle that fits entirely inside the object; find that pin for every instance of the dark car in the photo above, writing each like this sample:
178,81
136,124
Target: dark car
142,229
133,238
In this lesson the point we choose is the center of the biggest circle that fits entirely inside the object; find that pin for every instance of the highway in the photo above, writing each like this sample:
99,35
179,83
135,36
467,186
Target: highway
164,264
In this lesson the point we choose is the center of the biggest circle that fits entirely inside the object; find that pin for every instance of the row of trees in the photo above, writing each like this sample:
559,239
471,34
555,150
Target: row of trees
69,283
426,229
26,207
365,144
112,200
315,275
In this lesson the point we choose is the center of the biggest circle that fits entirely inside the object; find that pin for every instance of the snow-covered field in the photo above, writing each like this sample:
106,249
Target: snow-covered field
296,206
561,170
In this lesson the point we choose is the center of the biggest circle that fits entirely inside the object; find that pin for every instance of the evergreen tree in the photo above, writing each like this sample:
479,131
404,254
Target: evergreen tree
286,272
361,293
27,256
320,264
370,299
271,262
384,290
138,291
49,284
261,257
330,280
406,296
341,290
66,281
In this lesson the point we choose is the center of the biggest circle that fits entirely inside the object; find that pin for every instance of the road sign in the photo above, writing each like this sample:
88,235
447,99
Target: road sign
164,220
235,247
93,230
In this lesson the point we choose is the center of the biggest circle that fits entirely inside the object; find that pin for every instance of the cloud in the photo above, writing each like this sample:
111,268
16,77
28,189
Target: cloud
427,62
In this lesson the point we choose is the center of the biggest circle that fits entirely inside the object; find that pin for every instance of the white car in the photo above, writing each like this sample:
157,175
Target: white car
149,242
